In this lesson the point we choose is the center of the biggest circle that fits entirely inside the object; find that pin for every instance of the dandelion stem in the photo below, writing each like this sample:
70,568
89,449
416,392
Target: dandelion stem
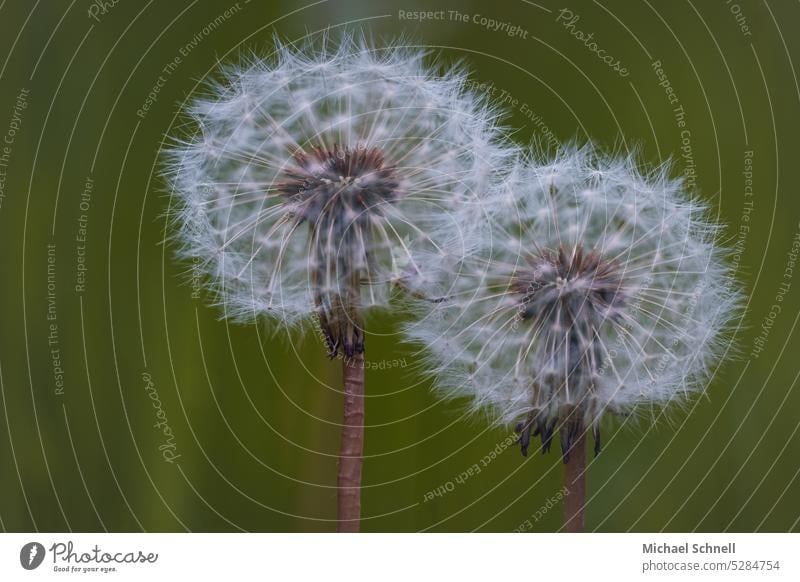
352,447
575,483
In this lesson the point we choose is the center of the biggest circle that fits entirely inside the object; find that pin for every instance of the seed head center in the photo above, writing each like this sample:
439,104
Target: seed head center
579,283
340,182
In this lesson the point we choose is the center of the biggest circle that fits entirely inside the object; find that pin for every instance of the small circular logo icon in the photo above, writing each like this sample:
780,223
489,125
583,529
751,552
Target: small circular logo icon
31,555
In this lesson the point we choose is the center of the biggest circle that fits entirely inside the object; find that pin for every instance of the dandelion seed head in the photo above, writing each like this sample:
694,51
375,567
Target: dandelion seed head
301,175
599,288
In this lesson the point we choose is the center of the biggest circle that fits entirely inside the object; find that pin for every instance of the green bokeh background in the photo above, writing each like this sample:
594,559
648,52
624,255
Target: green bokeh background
255,419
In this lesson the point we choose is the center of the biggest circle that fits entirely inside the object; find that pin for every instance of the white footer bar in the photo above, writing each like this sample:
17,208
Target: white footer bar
406,557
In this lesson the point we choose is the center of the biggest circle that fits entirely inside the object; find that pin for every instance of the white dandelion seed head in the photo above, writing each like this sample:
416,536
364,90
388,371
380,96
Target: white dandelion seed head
599,288
308,174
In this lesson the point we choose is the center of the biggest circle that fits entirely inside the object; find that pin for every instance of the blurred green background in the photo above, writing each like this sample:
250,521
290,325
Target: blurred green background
254,420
